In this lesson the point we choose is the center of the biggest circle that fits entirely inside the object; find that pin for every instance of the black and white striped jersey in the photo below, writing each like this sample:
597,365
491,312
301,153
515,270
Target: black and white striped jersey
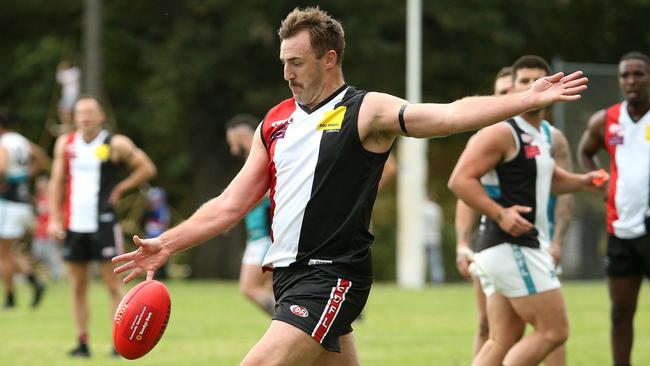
323,185
525,180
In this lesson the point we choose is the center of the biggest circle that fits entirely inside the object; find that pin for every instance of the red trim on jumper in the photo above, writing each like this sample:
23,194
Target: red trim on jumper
274,126
334,304
611,119
68,154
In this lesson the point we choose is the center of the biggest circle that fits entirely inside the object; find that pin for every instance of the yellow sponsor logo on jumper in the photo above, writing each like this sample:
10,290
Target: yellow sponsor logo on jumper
647,133
103,152
332,120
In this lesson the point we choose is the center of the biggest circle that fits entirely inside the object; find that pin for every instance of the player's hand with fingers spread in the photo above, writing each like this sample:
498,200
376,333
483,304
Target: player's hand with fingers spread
511,221
149,256
558,88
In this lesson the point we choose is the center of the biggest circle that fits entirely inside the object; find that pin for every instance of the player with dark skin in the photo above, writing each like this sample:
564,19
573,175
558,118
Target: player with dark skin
624,286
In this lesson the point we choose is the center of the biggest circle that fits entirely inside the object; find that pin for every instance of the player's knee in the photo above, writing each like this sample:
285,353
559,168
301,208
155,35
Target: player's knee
622,313
247,291
483,326
558,336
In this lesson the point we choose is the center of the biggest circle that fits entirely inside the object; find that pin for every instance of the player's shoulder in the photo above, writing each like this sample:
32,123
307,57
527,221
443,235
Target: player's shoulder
284,109
499,128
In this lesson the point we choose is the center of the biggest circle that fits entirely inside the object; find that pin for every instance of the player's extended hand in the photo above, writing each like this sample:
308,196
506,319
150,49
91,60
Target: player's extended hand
511,221
597,180
149,256
558,88
464,256
55,230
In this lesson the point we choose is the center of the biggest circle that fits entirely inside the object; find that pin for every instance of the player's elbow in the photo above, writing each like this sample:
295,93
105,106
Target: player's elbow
452,184
152,171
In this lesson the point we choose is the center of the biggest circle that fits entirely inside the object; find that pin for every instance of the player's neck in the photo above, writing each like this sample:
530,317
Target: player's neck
638,110
329,87
534,118
90,135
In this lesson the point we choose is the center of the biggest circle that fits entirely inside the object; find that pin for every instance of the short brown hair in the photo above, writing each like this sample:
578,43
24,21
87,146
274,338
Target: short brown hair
97,99
505,71
325,32
243,119
530,62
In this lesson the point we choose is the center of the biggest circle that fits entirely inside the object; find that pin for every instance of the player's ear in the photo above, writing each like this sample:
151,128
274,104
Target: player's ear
330,58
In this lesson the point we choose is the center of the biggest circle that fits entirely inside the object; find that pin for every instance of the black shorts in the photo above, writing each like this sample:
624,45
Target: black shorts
627,257
318,303
101,245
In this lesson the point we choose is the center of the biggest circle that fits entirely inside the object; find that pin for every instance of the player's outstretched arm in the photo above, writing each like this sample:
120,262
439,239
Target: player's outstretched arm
567,182
212,218
470,113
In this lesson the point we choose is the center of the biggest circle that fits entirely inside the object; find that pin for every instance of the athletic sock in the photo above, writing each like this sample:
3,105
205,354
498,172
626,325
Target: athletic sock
39,288
82,349
10,300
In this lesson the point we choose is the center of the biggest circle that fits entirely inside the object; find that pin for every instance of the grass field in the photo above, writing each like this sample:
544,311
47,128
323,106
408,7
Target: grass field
212,325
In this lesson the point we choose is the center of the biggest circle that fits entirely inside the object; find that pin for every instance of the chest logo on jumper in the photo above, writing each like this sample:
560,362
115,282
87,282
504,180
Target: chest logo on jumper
279,128
647,133
616,134
531,151
332,120
103,152
299,310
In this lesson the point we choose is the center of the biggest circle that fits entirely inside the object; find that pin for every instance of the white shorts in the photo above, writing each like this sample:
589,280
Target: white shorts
515,271
256,250
16,218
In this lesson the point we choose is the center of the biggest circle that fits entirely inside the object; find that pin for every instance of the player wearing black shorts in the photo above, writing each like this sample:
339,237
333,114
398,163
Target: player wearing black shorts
321,155
623,130
83,192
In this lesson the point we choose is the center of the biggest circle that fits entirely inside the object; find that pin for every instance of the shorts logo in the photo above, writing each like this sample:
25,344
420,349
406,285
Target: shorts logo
314,262
299,310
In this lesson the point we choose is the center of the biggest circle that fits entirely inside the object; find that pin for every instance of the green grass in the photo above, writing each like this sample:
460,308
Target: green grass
212,325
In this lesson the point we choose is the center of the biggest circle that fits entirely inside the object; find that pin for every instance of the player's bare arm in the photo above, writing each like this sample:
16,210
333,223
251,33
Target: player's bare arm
55,190
141,167
4,162
487,149
212,218
466,223
565,202
592,140
567,182
39,160
379,119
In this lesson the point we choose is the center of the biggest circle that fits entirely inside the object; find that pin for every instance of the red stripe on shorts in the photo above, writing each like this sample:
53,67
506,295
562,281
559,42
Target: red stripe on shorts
337,297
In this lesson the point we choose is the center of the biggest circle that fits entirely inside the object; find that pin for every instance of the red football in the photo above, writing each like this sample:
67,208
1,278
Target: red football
141,318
